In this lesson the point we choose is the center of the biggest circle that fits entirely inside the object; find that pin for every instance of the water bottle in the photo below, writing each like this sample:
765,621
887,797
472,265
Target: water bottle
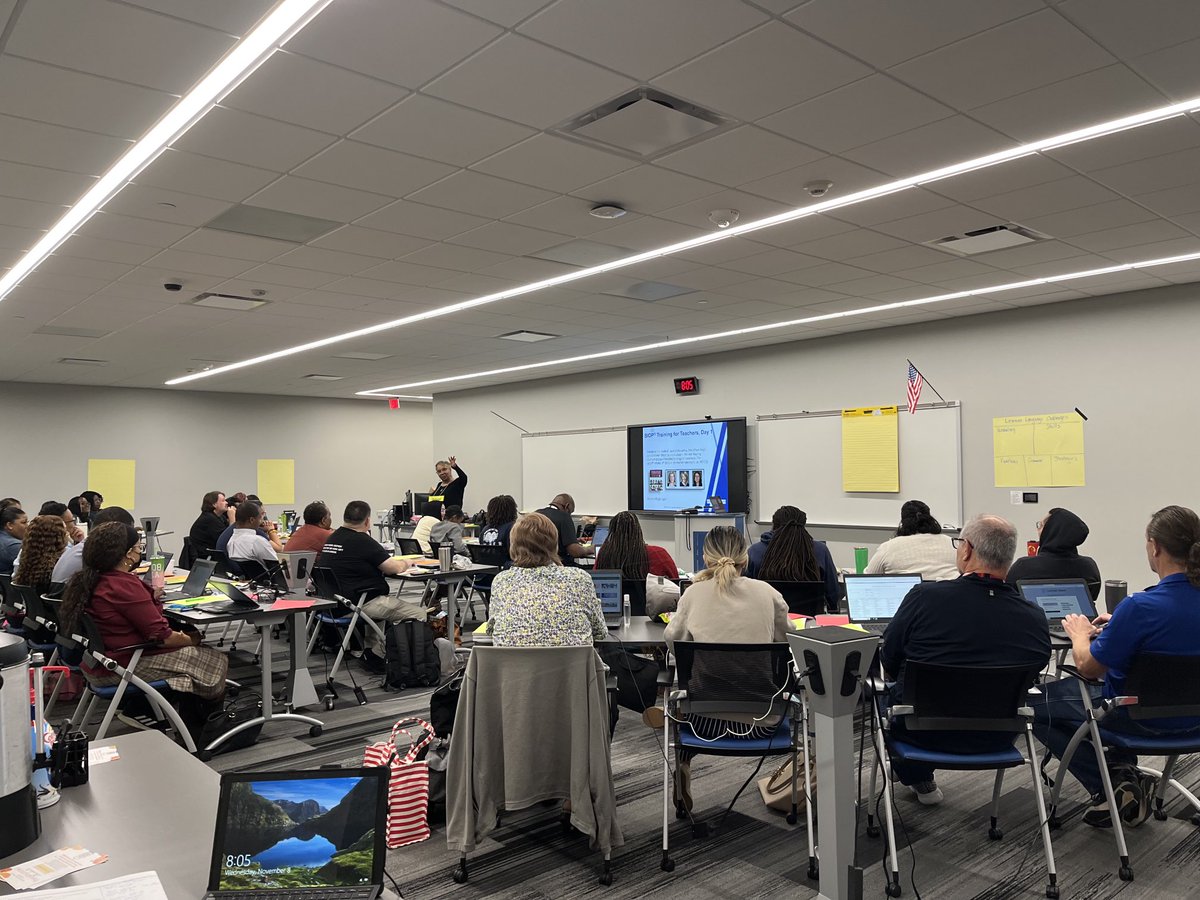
626,609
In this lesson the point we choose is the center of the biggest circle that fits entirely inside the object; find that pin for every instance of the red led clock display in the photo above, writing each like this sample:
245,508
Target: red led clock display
690,385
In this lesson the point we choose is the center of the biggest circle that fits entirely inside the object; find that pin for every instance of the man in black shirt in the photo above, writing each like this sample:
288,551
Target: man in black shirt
975,620
360,564
451,483
560,513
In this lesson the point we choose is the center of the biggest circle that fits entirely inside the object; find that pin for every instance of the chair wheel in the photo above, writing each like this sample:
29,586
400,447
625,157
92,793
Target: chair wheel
814,872
792,818
667,865
995,834
872,831
1160,815
315,731
680,811
606,878
1054,823
459,875
893,889
1052,892
1126,873
204,755
1196,819
329,704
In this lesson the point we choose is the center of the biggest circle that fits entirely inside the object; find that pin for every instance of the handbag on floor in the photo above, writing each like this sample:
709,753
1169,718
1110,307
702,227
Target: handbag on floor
408,784
776,788
236,710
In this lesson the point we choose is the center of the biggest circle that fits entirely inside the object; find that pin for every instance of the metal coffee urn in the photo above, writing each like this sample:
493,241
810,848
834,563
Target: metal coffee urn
18,801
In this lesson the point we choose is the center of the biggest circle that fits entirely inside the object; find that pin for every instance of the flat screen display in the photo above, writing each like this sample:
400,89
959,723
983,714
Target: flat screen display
681,465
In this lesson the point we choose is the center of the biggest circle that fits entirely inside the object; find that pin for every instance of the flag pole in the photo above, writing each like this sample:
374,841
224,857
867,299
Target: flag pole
926,380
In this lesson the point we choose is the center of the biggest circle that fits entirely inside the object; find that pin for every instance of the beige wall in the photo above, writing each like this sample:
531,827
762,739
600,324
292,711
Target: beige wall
187,443
1130,362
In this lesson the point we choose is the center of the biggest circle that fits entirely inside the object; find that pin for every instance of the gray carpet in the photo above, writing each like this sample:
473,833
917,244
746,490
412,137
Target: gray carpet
755,853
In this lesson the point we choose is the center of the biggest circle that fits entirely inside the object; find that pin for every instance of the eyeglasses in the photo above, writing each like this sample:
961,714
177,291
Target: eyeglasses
957,542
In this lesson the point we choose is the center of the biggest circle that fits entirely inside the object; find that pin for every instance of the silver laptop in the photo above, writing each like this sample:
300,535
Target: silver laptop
196,584
300,835
608,589
872,600
1058,598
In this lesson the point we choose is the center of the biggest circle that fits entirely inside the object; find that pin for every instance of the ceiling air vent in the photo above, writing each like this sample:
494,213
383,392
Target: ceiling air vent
527,337
227,301
985,240
82,361
645,123
316,376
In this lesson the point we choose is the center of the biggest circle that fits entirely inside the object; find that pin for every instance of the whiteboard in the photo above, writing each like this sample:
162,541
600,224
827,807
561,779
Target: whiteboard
589,465
800,464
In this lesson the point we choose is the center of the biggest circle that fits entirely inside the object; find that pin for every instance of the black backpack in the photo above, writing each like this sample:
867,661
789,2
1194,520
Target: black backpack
412,659
443,704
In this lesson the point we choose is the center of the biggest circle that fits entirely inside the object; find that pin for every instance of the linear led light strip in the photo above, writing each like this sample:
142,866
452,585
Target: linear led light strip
982,162
288,17
757,329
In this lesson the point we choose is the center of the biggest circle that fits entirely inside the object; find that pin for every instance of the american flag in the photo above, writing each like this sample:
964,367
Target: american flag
915,383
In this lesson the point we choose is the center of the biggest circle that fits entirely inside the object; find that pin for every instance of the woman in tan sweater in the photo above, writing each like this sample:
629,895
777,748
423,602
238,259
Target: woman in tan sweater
723,607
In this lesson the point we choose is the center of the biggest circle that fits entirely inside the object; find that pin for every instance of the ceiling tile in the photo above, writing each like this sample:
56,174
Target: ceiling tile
46,185
741,155
788,187
1043,199
952,270
895,33
647,189
286,275
931,146
42,144
1134,29
509,238
749,206
554,163
109,225
33,90
899,259
28,213
1173,201
1155,174
317,199
648,233
980,69
182,262
772,262
1000,179
900,205
253,140
404,43
120,42
456,257
503,12
1157,139
1133,236
867,110
204,176
566,215
528,82
231,16
305,92
327,260
1096,96
442,131
1089,218
850,244
939,223
236,246
637,38
15,238
1172,70
777,66
420,220
369,168
381,244
481,195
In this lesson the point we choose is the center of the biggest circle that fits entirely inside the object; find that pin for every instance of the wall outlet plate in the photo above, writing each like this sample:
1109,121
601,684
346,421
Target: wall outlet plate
1014,498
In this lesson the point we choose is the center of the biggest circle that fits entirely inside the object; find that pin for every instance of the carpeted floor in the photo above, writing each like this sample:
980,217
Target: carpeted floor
754,854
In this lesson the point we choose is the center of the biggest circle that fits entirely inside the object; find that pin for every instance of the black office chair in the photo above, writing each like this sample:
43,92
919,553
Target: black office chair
345,620
264,574
636,589
803,598
434,547
226,568
409,547
189,554
939,698
485,555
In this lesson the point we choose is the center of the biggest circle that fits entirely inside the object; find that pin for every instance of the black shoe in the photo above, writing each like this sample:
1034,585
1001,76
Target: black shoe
1098,815
373,663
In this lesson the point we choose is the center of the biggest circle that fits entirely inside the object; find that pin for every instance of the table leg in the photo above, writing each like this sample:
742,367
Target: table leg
301,691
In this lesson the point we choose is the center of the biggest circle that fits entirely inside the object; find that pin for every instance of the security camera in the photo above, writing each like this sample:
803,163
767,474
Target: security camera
818,188
173,286
723,218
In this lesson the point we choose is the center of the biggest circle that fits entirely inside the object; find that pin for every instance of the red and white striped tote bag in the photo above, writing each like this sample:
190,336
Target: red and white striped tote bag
408,785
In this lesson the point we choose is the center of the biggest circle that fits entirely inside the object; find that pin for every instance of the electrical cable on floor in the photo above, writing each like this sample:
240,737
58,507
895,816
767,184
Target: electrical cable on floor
399,893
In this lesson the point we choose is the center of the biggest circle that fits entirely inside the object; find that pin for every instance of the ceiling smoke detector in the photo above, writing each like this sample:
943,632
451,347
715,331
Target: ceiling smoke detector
723,218
607,211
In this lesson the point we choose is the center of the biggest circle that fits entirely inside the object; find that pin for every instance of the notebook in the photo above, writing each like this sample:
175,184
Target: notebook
1058,598
299,834
872,600
608,589
196,584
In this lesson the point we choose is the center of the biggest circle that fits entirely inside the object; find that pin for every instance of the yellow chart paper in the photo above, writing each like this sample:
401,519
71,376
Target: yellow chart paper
113,480
870,449
1038,451
277,480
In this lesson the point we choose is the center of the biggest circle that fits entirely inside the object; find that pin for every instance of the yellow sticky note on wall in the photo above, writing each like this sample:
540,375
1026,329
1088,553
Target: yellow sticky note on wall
113,480
277,480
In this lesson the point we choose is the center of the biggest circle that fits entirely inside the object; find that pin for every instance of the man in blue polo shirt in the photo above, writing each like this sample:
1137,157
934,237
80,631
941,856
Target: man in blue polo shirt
1162,619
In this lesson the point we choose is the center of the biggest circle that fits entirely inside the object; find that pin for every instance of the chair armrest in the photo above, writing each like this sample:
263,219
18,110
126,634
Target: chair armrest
1079,676
145,645
666,677
677,697
875,685
901,709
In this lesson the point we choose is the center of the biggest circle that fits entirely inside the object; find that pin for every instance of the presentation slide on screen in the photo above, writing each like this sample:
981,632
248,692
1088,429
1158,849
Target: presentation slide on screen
684,465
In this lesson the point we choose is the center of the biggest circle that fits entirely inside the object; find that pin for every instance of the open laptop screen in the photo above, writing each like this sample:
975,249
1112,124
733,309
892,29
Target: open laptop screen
875,598
297,830
1059,598
599,536
608,589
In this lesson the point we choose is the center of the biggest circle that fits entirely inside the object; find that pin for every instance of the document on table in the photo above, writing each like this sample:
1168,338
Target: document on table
870,449
47,868
142,886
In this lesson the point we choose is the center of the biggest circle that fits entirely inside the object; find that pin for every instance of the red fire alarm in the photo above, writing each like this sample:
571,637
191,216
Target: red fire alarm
393,402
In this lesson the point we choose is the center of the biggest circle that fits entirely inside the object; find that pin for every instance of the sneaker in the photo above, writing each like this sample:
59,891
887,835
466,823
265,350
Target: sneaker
1133,806
928,793
1098,815
654,717
683,785
1148,787
373,663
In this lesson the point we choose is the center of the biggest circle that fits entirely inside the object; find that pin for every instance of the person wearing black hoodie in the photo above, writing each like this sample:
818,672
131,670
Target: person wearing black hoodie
1060,533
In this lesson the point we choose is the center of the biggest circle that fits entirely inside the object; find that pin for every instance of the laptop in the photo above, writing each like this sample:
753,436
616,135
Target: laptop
238,599
872,600
599,536
608,589
1058,598
196,584
300,835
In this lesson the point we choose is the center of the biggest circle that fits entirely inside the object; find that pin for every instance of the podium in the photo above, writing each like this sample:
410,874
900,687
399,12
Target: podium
690,532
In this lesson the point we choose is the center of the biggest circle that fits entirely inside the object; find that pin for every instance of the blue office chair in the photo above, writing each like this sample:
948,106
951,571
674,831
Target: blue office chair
1158,686
720,681
939,698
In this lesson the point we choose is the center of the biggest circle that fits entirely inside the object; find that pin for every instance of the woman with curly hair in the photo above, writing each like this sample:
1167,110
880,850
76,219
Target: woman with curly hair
45,541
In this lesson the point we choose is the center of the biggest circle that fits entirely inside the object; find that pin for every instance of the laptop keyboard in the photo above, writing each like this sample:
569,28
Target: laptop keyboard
351,893
873,627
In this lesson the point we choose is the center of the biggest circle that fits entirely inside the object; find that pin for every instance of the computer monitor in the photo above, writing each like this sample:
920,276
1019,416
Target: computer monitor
875,598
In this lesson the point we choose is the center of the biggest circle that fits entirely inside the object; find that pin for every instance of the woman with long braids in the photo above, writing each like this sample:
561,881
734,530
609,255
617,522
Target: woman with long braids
626,549
126,612
788,553
722,607
45,541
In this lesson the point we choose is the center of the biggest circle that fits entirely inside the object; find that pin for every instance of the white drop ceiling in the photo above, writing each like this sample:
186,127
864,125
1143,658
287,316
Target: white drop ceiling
429,130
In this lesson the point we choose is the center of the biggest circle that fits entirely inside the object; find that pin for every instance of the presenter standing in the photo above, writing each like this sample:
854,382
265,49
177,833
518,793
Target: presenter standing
452,482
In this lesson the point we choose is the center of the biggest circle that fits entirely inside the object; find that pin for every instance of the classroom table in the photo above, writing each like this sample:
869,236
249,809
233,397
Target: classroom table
431,577
152,809
639,632
300,689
